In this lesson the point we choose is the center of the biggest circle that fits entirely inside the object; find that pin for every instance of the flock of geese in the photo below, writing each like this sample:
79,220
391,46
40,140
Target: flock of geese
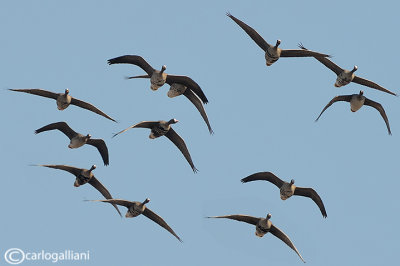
183,85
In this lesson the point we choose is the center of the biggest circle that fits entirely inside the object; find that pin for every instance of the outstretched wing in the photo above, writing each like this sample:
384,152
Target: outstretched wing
89,107
346,98
251,32
155,218
102,189
39,92
282,236
73,170
197,103
312,194
379,107
180,143
134,60
143,124
371,84
62,126
189,83
267,176
101,147
239,217
328,63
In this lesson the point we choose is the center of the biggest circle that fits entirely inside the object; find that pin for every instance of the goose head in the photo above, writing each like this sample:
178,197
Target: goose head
163,68
268,216
278,42
66,91
147,200
361,93
354,69
173,121
88,136
93,167
292,181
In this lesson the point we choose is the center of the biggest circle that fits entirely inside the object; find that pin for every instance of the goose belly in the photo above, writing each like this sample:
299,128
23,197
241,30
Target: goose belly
132,213
176,90
356,104
63,102
76,143
158,132
261,231
81,180
343,79
271,57
286,192
157,80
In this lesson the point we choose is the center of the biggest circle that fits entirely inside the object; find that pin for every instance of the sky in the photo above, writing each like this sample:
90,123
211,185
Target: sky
263,118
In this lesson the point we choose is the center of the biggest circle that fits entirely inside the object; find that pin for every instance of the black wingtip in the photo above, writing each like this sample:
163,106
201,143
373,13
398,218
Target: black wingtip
211,131
228,14
243,180
195,170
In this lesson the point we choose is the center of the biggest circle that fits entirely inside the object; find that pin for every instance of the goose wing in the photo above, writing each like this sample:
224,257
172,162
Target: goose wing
180,143
251,32
197,103
239,217
267,176
89,107
120,202
39,92
62,126
379,107
328,63
282,236
346,98
101,147
134,60
189,83
143,124
371,84
312,194
73,170
301,53
102,189
160,221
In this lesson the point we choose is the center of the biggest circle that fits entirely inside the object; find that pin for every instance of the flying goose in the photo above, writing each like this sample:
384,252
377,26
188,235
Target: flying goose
163,128
177,89
77,139
136,208
356,102
272,53
288,189
158,78
64,100
344,76
263,226
84,176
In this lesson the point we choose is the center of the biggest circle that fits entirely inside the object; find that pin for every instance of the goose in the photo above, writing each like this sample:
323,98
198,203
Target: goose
177,89
157,77
288,189
344,76
272,53
263,226
163,128
64,100
84,176
356,102
77,139
136,208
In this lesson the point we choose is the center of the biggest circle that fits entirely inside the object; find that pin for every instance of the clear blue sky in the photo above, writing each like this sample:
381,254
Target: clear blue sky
263,118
